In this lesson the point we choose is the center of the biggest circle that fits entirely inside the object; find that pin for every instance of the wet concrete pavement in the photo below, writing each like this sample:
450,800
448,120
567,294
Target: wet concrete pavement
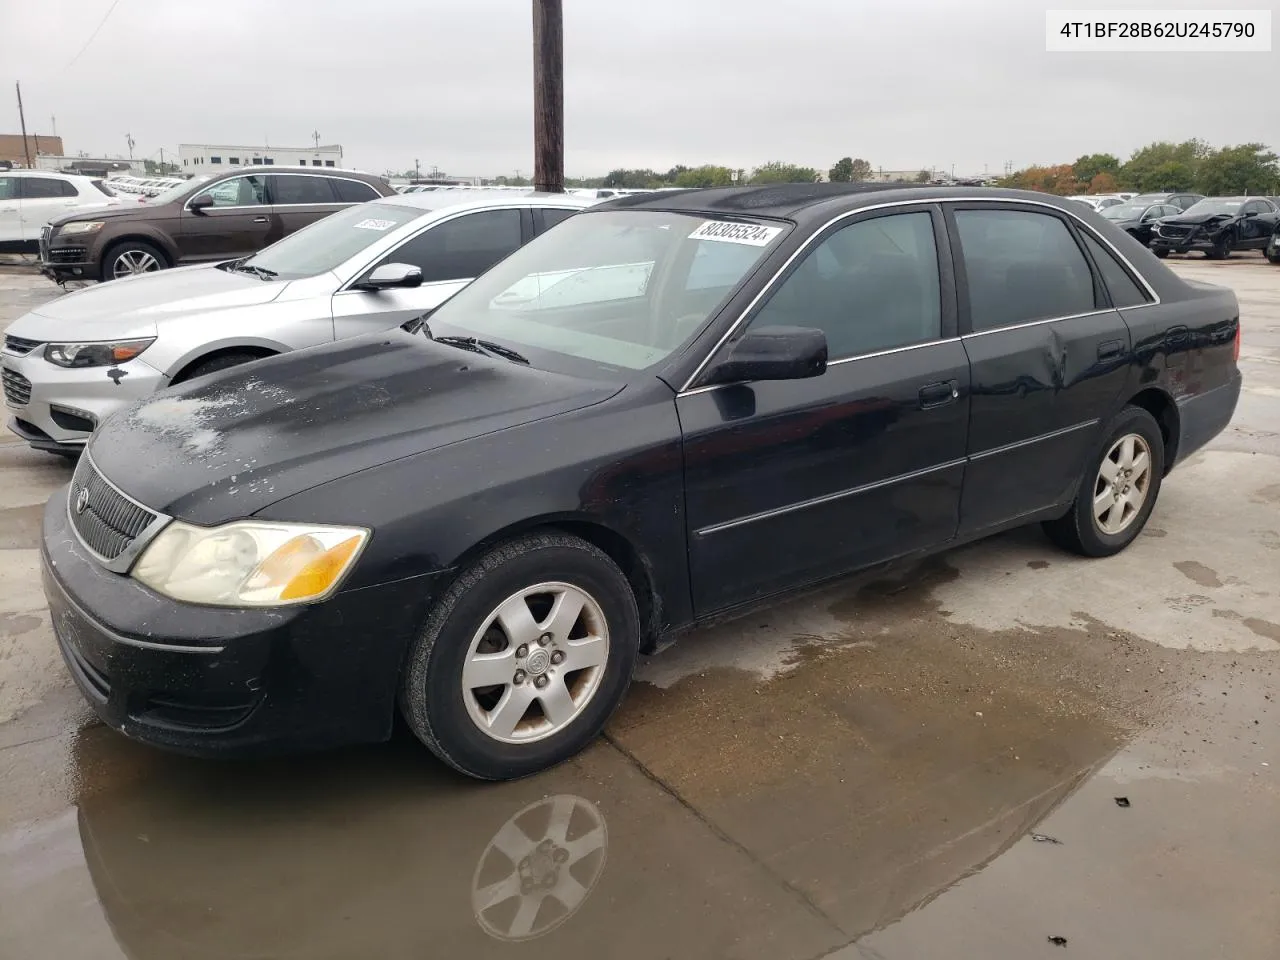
856,773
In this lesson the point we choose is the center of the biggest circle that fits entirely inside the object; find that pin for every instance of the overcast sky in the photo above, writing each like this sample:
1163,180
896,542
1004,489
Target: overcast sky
903,83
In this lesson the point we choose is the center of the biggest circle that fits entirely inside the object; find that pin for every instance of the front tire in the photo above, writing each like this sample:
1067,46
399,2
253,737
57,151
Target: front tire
523,659
131,258
1118,490
1222,249
1160,252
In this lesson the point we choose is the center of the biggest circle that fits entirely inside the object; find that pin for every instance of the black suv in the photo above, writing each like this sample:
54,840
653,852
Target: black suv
213,218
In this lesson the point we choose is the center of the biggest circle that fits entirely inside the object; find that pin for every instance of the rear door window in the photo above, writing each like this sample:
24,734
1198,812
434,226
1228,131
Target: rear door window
1021,267
1125,291
289,189
46,188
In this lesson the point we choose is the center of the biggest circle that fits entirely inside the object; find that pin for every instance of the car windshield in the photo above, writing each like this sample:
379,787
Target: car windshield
622,289
1210,207
178,190
1125,211
332,240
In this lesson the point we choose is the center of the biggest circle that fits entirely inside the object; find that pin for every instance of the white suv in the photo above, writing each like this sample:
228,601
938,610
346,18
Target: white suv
31,198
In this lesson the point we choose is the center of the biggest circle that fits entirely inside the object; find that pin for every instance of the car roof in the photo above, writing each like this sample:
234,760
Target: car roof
439,199
803,201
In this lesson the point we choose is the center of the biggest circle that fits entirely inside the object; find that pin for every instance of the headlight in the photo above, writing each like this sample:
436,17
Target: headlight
95,354
249,563
81,226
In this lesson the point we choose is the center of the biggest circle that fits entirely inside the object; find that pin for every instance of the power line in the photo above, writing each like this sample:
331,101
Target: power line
93,35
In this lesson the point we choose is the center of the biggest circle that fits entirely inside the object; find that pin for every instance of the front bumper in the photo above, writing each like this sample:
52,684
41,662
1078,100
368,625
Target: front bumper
227,681
67,258
1196,238
56,408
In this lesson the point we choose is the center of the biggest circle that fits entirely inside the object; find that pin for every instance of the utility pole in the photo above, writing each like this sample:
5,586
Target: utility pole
417,170
128,138
315,135
548,96
22,120
162,161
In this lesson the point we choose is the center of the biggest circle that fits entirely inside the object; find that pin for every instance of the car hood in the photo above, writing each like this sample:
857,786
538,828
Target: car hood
227,445
135,305
1201,218
126,207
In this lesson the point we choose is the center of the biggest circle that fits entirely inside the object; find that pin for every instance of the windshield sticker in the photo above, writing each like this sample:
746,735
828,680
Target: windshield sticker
371,224
752,234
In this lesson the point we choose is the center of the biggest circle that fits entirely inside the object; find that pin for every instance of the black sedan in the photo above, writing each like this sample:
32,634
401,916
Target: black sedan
1218,226
663,410
1137,219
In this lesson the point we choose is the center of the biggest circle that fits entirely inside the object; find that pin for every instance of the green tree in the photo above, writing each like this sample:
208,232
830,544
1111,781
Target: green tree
704,176
924,176
1248,168
847,169
631,179
842,172
1088,167
778,172
1164,166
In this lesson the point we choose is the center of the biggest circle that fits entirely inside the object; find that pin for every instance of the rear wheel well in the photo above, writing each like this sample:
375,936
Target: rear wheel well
618,548
1161,406
256,352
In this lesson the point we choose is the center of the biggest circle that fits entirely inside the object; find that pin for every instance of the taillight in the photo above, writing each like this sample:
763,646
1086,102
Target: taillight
1235,356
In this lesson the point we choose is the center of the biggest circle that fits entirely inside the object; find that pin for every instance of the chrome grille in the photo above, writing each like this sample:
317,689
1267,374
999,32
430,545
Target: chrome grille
106,520
1170,231
19,346
17,388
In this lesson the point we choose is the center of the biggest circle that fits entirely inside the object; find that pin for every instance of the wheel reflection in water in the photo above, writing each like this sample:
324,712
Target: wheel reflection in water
539,868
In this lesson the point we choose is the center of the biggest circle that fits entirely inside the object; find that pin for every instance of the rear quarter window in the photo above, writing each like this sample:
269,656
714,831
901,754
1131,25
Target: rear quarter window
352,191
1125,291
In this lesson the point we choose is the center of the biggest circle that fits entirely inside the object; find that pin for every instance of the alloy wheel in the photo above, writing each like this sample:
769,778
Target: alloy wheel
535,663
1122,484
132,262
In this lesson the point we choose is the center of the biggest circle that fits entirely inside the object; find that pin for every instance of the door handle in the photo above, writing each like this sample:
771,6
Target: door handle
938,394
261,219
1110,349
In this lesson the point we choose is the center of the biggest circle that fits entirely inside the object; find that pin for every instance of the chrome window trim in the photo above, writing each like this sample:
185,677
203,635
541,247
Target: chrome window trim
488,208
287,173
769,284
124,561
826,498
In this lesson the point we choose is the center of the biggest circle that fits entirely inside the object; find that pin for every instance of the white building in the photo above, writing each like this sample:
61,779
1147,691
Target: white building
217,157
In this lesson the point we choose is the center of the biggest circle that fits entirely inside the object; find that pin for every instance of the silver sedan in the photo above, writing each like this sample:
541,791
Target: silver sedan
71,362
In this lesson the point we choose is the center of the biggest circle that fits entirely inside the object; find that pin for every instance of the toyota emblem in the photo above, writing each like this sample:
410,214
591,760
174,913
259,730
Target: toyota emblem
82,499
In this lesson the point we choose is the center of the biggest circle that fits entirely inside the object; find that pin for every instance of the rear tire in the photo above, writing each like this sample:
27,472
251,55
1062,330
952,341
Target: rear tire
1111,506
130,258
501,619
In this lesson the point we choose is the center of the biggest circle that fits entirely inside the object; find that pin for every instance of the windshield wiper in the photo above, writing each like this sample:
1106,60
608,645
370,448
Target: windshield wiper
261,272
483,346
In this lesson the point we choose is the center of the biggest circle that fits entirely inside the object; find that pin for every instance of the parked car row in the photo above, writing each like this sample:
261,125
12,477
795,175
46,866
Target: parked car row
646,416
145,186
72,362
203,219
31,198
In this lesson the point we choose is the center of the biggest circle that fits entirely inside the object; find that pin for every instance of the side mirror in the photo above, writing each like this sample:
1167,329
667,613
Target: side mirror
201,203
773,353
389,276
